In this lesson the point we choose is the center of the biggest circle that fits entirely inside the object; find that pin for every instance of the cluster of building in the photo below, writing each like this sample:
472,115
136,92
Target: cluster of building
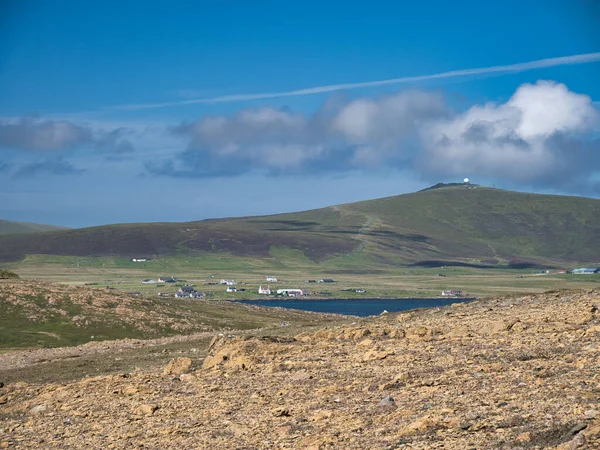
188,291
453,293
586,271
579,271
286,292
357,290
160,280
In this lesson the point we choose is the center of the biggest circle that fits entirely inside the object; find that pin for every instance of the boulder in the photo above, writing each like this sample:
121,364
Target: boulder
178,366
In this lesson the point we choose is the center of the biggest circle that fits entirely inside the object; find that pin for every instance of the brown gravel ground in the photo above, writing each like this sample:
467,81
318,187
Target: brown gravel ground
517,372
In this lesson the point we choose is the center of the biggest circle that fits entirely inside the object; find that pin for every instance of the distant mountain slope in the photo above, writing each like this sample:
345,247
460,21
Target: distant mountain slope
10,227
470,225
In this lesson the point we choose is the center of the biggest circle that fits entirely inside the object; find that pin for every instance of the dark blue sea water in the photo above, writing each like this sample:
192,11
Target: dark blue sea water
358,307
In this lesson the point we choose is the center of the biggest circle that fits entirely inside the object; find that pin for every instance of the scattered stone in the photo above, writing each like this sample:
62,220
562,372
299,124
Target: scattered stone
130,390
387,402
418,426
579,441
281,412
577,428
146,410
187,377
523,437
320,415
284,430
38,409
178,366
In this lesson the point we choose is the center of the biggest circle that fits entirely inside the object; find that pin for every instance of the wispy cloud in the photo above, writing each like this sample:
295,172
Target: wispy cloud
493,70
40,134
56,166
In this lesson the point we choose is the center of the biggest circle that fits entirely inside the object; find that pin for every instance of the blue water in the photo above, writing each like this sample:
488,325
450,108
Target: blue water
358,307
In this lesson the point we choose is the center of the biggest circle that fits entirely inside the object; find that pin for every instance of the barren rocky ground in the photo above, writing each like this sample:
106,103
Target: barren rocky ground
511,372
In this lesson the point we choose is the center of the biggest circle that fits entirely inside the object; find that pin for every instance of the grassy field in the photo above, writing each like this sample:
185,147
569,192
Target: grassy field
292,269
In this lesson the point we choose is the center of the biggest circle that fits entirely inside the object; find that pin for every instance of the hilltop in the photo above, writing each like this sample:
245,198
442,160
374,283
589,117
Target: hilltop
464,225
10,227
509,372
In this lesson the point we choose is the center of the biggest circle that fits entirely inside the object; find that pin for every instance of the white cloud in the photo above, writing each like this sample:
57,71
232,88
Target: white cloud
359,134
548,107
543,133
265,138
386,120
42,134
515,140
30,133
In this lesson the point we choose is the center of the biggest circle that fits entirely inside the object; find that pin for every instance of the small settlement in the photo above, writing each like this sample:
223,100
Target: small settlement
188,291
453,293
586,271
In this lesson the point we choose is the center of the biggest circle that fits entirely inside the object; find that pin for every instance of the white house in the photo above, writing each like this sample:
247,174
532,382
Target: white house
290,292
227,282
265,291
271,279
167,280
452,293
139,259
326,280
231,289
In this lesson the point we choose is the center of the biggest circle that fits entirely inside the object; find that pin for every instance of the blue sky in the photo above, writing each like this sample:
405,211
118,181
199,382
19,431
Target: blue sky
155,111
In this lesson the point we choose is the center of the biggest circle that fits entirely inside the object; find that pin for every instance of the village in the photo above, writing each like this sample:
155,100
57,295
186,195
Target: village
189,290
268,286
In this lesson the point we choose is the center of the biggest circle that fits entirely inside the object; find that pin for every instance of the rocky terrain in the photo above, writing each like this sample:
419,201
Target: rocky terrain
517,372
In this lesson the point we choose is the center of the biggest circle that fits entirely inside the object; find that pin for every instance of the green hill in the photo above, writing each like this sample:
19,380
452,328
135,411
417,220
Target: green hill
9,227
7,274
450,224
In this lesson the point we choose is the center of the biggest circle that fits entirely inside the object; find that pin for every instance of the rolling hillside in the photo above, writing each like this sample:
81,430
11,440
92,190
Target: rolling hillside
10,227
457,224
37,314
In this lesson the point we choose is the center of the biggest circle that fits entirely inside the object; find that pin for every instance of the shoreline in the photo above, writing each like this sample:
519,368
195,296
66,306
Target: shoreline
308,299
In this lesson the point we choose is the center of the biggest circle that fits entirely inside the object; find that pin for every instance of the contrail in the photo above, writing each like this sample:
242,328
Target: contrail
511,68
